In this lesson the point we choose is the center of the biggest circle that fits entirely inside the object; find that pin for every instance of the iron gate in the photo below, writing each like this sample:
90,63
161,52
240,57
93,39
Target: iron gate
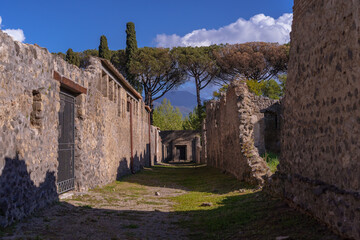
65,179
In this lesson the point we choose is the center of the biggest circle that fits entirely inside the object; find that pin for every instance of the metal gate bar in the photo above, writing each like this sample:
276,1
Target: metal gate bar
65,177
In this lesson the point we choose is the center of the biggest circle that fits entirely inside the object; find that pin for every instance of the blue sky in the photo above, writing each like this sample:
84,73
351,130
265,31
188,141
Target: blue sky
63,24
59,25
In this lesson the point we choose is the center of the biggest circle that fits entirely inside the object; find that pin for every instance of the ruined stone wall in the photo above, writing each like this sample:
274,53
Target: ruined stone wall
235,133
319,167
203,144
30,81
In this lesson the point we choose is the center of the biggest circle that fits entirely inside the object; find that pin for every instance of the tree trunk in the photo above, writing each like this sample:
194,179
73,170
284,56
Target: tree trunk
198,99
199,112
151,111
149,102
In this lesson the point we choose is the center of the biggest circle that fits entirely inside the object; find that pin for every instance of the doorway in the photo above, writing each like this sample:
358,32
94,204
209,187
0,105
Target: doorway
65,177
181,152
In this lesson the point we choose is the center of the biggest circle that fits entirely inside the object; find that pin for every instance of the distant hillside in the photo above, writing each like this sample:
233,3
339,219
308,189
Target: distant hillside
185,101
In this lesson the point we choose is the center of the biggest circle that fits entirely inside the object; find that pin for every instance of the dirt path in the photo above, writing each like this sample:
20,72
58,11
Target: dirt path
179,202
120,210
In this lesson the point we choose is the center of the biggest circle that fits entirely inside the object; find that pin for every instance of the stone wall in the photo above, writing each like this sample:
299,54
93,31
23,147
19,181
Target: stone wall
235,129
203,141
319,167
156,146
30,82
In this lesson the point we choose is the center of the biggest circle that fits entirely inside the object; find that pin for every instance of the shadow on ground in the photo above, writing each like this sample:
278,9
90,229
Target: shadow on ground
67,221
193,202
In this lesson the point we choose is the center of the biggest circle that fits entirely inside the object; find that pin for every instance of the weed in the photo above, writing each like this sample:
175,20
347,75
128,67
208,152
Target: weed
272,161
86,207
80,198
110,200
149,202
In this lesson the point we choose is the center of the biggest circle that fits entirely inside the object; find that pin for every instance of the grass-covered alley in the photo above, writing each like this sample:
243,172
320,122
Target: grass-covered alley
170,202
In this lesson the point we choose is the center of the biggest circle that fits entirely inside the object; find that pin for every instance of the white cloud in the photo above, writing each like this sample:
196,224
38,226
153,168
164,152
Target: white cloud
16,34
258,28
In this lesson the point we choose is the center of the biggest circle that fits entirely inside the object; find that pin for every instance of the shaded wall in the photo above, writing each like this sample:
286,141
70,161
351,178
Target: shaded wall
156,146
320,168
272,120
235,129
30,81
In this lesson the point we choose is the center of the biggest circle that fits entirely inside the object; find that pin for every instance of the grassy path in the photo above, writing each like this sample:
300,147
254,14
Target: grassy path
170,202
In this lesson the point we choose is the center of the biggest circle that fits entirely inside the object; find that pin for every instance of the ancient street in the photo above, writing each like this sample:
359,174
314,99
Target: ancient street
170,202
147,126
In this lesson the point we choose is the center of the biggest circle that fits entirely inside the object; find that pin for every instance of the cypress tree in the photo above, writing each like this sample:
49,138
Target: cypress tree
72,57
131,48
104,51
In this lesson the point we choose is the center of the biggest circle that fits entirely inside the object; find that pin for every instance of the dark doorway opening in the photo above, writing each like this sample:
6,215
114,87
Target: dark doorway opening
65,177
181,153
271,135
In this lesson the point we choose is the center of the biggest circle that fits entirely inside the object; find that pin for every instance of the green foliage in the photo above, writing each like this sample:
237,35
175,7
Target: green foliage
254,60
131,43
91,52
166,117
72,57
282,80
223,89
151,62
272,89
272,161
130,51
104,51
157,71
85,57
60,54
196,59
269,88
200,65
195,119
256,87
118,59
